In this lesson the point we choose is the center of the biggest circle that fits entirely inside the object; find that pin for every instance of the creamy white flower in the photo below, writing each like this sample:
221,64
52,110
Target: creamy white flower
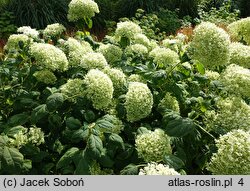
139,101
233,155
27,30
153,145
154,168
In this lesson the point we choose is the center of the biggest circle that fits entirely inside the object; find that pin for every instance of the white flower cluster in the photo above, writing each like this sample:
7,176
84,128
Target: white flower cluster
139,101
240,30
164,57
136,50
232,113
34,136
127,29
154,168
82,9
93,60
212,75
53,30
118,78
111,52
76,50
49,57
99,88
14,39
136,78
27,30
210,45
72,89
233,155
236,80
141,39
153,145
240,54
171,44
169,102
45,76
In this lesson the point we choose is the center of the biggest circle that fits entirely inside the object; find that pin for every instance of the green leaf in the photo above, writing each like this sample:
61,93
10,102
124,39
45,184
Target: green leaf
115,139
39,113
142,130
173,162
131,169
73,123
14,130
80,135
176,126
82,164
67,158
89,116
12,157
124,42
106,161
54,101
200,67
95,146
19,119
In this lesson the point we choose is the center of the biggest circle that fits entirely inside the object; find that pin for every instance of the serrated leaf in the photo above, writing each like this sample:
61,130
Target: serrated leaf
14,130
173,162
19,119
38,113
73,123
12,157
142,130
116,140
95,145
200,67
131,169
176,126
54,101
80,135
67,158
82,164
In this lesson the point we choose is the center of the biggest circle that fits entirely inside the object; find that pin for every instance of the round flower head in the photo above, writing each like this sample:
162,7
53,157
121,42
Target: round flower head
154,168
49,57
141,39
240,54
82,9
169,102
45,76
171,44
99,88
139,101
233,155
212,75
136,78
35,136
93,60
232,113
210,45
136,50
153,145
54,30
236,80
118,78
14,39
127,29
20,138
72,89
76,50
33,33
240,30
164,57
111,52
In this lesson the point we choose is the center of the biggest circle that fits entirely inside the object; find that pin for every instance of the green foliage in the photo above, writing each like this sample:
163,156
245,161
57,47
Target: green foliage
38,14
130,111
7,26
